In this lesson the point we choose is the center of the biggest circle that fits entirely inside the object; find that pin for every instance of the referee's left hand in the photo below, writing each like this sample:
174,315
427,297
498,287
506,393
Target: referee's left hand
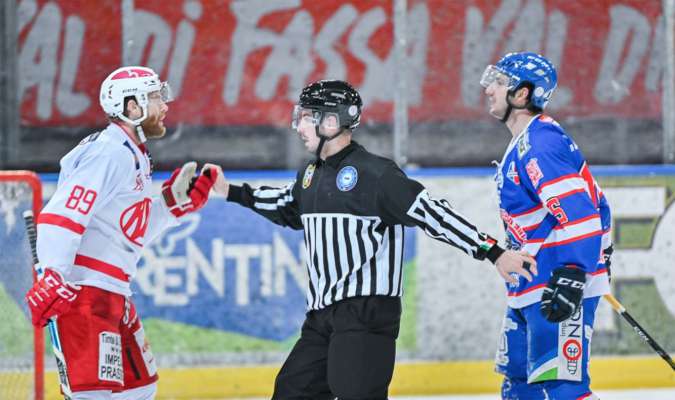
520,262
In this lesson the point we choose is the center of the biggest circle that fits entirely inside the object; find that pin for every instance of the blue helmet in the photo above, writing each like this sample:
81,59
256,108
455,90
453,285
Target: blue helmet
523,68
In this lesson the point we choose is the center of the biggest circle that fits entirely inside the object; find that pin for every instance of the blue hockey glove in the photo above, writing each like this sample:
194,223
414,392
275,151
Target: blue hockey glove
563,293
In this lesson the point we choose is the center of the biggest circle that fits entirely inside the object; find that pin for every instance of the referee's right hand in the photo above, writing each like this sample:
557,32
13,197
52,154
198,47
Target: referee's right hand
520,262
221,186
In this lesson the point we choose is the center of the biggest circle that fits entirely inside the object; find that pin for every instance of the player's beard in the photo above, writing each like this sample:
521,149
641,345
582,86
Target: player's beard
153,127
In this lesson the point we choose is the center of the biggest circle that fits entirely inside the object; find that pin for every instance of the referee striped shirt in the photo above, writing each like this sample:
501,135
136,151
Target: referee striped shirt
353,208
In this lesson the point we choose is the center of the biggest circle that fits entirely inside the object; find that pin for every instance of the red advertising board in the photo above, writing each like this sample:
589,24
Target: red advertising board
244,62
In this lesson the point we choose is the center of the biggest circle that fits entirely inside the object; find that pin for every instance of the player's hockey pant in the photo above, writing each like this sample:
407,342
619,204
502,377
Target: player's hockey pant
346,350
104,346
544,360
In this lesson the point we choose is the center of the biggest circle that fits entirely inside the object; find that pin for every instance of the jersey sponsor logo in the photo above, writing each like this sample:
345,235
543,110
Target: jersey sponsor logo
523,144
347,178
307,178
570,347
110,357
534,172
516,230
134,221
512,173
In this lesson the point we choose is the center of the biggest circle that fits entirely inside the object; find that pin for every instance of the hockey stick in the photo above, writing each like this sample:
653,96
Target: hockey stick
639,329
51,325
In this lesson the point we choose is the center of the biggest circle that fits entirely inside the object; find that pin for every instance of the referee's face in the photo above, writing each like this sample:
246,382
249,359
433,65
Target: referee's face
307,131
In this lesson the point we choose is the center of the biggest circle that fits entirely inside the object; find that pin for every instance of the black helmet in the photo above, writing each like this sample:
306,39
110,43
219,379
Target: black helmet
333,97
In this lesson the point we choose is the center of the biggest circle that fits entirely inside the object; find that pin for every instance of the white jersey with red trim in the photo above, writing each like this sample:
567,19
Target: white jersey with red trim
95,225
553,208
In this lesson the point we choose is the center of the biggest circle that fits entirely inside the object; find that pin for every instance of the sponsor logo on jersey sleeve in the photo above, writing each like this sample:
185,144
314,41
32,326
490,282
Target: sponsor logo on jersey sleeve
516,230
347,178
534,172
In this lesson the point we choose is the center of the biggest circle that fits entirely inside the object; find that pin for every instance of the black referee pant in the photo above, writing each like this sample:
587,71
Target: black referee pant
345,350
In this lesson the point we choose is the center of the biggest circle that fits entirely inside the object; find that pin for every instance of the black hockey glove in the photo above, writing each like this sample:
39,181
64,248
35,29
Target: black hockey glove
607,256
563,294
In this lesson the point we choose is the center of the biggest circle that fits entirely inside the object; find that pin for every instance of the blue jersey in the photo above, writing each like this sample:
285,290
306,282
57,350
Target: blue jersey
552,208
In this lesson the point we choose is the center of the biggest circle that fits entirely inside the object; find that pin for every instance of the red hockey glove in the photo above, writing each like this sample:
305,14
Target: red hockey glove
199,192
175,190
50,297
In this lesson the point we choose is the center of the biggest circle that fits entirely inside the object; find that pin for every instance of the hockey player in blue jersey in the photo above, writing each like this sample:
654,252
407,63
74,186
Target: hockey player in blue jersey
553,209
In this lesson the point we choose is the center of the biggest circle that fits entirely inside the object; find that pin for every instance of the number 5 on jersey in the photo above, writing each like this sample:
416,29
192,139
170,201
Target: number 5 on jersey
81,195
553,205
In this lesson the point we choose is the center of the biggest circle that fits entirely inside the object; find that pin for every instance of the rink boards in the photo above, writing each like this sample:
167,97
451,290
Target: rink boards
227,288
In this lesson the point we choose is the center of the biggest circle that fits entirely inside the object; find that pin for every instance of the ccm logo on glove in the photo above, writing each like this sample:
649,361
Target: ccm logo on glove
50,297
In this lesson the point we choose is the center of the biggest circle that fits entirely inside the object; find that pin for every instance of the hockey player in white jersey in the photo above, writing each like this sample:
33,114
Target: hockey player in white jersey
92,231
553,209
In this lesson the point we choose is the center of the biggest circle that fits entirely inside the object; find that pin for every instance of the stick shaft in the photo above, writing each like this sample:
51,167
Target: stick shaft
646,337
31,232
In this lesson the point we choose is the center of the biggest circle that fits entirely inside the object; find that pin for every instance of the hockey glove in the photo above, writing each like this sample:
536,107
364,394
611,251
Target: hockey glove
199,190
50,297
607,256
563,294
176,189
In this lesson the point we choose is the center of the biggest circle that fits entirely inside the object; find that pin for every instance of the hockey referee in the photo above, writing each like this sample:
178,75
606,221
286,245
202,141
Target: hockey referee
353,206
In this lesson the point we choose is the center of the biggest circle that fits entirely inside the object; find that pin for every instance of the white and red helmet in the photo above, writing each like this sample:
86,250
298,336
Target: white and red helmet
135,82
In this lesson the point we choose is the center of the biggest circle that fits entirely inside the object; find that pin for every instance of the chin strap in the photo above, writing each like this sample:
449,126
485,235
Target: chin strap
141,134
511,106
137,123
323,139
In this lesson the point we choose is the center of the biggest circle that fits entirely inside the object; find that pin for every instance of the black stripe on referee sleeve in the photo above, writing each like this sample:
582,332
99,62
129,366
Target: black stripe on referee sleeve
465,240
444,203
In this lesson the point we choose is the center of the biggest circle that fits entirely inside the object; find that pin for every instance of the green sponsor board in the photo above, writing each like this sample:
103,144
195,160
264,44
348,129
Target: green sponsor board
641,207
16,332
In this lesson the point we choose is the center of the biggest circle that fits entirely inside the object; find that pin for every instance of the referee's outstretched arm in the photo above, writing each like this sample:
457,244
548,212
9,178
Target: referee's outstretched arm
279,205
402,200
